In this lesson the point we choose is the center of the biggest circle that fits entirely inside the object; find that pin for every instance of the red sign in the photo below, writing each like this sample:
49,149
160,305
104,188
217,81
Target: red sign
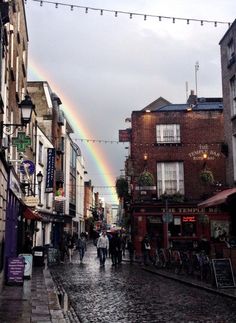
125,135
189,219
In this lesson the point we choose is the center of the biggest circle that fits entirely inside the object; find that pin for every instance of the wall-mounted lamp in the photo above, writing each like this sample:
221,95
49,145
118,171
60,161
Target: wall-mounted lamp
145,156
205,156
39,180
147,110
26,107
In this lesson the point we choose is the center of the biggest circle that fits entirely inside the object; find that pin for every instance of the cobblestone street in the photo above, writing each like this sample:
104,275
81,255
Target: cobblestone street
128,294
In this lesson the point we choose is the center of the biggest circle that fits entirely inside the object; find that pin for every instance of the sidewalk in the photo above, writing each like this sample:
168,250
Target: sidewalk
35,301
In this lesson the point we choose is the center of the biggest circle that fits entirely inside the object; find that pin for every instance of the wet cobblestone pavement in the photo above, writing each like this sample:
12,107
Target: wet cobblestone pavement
128,294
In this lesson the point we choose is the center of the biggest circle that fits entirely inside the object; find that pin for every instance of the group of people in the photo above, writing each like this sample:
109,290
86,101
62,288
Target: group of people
114,245
69,243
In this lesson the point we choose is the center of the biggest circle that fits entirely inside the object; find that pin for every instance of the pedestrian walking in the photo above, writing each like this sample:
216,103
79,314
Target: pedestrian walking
63,249
115,249
123,243
146,248
70,246
103,246
81,246
130,248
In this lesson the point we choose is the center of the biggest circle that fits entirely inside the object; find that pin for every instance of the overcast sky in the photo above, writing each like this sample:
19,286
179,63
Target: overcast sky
109,66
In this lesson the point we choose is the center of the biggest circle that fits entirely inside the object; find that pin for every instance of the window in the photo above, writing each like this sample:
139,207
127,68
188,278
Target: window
170,178
168,133
233,95
175,227
40,153
189,229
230,49
234,155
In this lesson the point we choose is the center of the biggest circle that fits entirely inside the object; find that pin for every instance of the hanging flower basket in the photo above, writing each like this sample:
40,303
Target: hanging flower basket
203,219
122,187
145,179
206,176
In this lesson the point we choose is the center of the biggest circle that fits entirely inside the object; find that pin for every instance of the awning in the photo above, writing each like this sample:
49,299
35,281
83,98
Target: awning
31,215
218,199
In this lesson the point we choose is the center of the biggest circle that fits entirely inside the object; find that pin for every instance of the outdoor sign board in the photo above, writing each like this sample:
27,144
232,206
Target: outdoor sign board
50,170
27,167
31,201
53,256
28,264
15,270
125,135
223,273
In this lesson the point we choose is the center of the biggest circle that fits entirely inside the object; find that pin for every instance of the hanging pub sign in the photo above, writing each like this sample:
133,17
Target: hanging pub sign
125,135
50,170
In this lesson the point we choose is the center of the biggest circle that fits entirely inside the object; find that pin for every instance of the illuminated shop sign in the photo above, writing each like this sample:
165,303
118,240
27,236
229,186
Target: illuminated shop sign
189,219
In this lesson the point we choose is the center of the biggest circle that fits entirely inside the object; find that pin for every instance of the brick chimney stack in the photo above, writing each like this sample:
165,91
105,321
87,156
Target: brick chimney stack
192,100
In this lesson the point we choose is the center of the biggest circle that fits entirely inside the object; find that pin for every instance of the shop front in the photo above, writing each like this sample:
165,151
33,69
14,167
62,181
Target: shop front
183,227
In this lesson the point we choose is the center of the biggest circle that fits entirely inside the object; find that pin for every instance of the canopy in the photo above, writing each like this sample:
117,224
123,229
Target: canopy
31,215
219,198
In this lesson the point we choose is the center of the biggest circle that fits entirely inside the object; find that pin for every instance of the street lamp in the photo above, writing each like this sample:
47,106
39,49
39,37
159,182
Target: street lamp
39,180
26,107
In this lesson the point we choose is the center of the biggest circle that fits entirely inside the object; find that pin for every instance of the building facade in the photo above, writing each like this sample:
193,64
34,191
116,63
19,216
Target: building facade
228,69
173,149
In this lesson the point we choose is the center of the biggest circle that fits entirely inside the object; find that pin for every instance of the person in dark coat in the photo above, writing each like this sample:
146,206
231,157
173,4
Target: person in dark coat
115,249
130,248
146,248
81,246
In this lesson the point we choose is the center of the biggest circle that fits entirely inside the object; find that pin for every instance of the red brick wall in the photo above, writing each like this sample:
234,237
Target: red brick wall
196,129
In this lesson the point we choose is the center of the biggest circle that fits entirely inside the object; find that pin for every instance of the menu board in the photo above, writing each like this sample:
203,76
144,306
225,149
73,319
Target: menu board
15,271
223,273
53,256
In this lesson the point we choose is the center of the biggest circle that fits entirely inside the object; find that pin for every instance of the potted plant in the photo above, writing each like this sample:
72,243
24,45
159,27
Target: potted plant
122,187
206,176
145,179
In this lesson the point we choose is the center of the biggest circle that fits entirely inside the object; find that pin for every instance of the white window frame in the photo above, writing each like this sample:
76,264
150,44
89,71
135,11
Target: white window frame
178,168
230,49
168,133
234,155
40,153
233,95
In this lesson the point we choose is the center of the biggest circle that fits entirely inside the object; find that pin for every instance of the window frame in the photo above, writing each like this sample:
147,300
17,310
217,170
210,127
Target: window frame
161,183
162,129
232,85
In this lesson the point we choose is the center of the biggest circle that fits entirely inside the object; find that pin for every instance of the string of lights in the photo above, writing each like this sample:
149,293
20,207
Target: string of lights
140,144
145,16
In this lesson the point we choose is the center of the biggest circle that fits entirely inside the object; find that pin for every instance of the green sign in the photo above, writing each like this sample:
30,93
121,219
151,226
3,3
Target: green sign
21,141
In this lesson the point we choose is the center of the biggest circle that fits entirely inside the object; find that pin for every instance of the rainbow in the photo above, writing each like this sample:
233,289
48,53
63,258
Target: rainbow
71,111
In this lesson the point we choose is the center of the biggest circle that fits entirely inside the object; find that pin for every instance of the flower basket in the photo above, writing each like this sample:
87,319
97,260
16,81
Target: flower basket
145,179
206,177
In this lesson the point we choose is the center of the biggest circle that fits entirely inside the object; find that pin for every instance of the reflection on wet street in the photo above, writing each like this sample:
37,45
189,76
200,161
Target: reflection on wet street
128,294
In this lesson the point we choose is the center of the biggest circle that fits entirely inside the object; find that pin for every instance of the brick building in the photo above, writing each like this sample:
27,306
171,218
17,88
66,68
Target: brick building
228,67
175,143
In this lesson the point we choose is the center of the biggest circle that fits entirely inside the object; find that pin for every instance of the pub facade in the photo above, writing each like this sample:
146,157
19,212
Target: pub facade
177,150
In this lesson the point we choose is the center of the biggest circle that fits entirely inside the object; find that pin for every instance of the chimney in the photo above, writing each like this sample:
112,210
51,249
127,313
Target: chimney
192,100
